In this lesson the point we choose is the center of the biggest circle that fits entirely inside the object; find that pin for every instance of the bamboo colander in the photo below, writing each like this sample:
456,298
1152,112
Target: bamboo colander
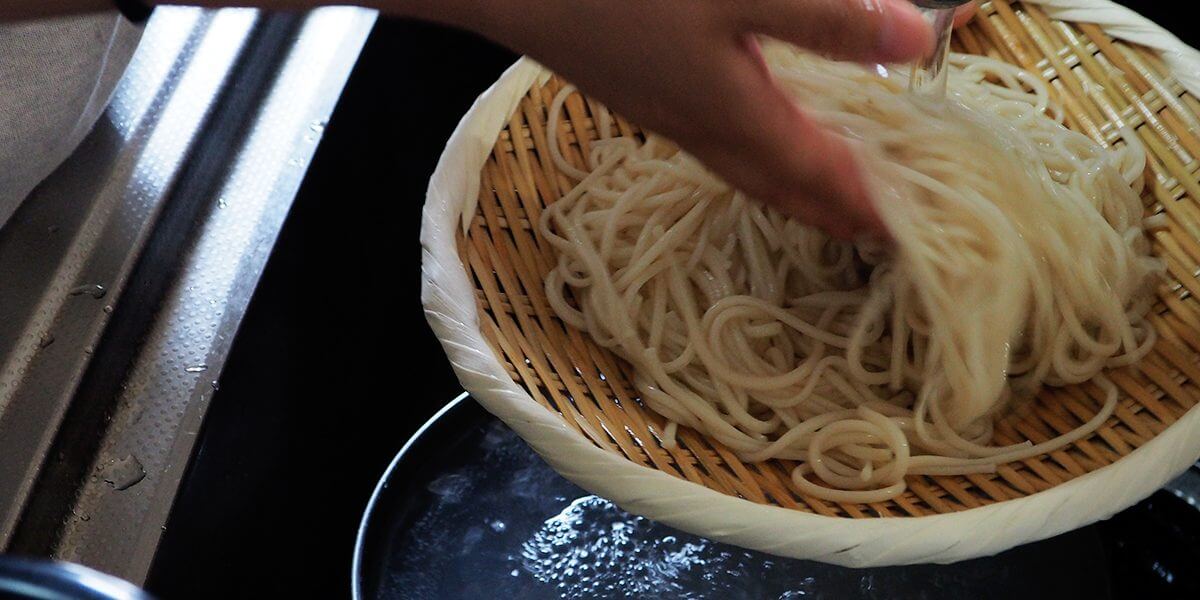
573,401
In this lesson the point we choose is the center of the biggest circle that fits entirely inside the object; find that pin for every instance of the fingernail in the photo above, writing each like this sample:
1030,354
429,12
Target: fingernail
904,34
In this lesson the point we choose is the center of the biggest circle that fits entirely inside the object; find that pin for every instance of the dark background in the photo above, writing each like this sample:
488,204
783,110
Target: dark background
334,366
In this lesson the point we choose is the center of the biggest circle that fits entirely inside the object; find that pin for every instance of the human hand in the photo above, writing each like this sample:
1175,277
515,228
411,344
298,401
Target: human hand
690,70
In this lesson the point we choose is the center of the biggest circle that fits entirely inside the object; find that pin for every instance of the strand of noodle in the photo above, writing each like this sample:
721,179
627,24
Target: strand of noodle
555,151
865,365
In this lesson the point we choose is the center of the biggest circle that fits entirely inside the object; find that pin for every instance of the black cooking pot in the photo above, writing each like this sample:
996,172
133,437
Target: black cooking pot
467,510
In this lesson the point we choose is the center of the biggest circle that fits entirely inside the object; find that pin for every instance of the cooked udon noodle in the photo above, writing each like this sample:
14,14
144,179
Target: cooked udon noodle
1020,261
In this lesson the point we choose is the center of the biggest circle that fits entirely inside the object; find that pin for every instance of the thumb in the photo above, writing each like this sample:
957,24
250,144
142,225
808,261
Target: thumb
861,30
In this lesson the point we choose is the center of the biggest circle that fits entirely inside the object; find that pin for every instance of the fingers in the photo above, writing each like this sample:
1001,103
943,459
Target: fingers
964,14
775,153
698,83
861,30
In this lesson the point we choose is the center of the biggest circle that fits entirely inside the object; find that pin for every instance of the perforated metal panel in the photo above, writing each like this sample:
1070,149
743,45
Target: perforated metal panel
124,278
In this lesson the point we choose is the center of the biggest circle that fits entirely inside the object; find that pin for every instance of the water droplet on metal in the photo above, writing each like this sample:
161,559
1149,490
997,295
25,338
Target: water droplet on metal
124,473
215,385
94,290
196,369
222,203
108,309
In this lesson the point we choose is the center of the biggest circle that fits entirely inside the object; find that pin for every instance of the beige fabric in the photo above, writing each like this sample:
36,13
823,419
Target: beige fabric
56,78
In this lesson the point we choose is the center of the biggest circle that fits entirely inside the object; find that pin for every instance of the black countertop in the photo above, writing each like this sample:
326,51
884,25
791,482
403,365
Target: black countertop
334,366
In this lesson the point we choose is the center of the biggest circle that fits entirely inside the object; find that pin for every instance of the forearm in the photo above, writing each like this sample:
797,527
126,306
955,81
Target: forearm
687,69
455,12
492,18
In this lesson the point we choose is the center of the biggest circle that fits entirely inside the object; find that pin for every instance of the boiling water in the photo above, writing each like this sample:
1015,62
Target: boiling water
501,524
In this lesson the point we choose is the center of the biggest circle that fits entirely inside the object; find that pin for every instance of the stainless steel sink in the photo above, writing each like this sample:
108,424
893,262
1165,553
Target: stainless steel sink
124,277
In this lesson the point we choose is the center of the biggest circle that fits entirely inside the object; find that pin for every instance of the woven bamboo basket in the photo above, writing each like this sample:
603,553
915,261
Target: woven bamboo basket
572,401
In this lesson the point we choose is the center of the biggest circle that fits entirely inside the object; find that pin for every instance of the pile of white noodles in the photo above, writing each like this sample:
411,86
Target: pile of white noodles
1021,261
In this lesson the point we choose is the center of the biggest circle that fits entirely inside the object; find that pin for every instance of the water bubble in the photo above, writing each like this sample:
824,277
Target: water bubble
592,545
450,487
470,540
587,548
94,290
124,473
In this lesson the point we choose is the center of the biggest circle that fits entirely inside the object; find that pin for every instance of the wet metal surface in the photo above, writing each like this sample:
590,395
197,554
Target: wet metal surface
124,278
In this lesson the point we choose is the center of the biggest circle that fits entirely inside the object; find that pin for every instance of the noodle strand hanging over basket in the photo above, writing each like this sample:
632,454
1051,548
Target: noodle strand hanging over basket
867,366
1097,387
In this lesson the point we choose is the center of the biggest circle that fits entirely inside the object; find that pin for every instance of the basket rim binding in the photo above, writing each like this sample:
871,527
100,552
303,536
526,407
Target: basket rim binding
450,306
